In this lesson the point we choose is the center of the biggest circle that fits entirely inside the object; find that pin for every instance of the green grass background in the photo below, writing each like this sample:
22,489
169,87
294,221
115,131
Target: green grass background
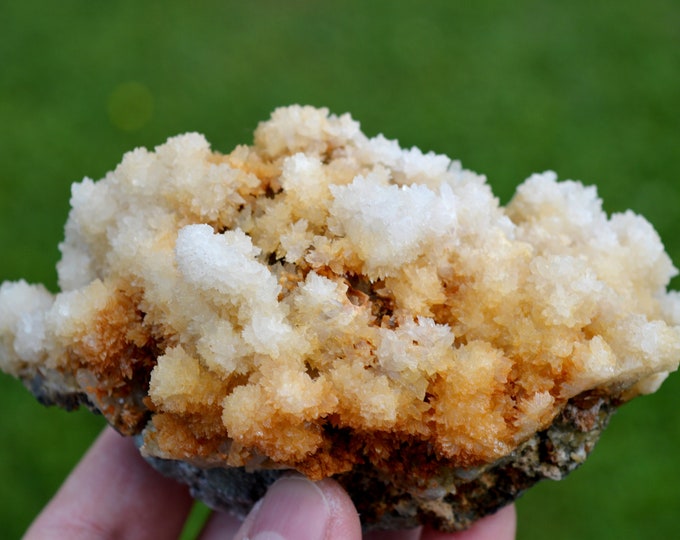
589,88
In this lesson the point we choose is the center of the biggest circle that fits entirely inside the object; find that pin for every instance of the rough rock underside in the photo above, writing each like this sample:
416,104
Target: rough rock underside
333,304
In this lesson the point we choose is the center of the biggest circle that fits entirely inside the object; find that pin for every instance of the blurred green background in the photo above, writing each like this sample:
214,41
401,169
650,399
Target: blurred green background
588,88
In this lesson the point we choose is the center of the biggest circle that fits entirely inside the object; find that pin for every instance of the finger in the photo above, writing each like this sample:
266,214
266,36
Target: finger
113,493
220,526
498,526
294,508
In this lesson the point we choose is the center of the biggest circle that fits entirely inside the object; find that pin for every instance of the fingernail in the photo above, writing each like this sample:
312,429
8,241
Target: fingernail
294,508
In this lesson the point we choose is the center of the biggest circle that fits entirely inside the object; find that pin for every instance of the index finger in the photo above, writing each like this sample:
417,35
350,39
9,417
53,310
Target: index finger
113,493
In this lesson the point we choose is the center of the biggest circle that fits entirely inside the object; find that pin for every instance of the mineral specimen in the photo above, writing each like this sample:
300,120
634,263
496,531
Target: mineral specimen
334,304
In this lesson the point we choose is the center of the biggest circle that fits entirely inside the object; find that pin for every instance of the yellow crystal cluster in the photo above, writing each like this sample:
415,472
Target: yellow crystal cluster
322,297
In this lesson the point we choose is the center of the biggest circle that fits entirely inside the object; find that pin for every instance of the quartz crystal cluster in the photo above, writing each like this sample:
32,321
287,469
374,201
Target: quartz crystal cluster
330,303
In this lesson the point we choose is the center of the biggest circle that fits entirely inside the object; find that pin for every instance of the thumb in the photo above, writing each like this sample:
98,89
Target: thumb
296,508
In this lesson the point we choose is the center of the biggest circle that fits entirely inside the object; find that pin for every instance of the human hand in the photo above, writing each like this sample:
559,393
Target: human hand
114,493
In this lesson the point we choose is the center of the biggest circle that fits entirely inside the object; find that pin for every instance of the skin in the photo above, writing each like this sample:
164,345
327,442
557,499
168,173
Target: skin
113,493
